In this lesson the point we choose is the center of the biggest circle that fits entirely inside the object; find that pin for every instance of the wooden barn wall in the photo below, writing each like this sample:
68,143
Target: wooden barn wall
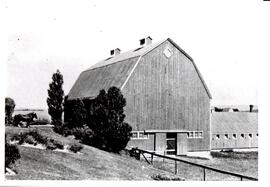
167,93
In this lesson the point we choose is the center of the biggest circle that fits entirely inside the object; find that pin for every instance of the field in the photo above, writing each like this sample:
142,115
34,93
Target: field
41,113
245,163
92,163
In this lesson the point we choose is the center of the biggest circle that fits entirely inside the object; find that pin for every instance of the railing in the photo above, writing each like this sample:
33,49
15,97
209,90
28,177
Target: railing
135,152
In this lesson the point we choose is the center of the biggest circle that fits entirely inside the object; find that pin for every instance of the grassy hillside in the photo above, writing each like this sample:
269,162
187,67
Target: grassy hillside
92,163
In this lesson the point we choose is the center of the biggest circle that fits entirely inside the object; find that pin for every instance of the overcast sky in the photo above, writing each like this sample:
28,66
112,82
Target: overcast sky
227,40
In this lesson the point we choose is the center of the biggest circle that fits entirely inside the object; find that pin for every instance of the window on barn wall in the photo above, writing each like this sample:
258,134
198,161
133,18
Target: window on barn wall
190,134
200,134
195,134
168,52
143,135
257,134
234,136
250,135
134,135
139,135
226,136
242,135
217,136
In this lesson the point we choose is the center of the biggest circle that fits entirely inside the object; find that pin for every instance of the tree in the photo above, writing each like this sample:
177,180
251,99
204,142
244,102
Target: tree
11,153
78,114
110,131
9,109
55,100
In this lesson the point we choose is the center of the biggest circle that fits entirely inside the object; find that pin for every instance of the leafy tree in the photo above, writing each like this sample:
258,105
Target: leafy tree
11,153
110,131
78,114
9,109
55,100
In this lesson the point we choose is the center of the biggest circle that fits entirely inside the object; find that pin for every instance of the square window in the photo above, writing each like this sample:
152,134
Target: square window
200,134
234,136
142,135
196,134
217,136
242,136
250,135
226,136
190,134
168,52
134,135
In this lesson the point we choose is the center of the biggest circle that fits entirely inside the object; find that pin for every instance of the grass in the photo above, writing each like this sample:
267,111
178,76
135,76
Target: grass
245,163
92,163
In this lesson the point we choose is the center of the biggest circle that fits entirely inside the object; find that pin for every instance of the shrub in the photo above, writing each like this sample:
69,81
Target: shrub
75,147
11,154
30,140
84,134
58,144
15,137
50,145
30,137
38,137
9,109
58,126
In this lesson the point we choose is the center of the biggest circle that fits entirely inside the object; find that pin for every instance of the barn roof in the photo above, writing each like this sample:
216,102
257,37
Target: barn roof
234,122
115,71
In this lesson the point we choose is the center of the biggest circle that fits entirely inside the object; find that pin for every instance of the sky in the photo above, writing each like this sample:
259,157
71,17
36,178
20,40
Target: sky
227,40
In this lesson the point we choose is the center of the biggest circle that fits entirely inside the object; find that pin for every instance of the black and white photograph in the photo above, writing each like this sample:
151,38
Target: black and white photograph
99,90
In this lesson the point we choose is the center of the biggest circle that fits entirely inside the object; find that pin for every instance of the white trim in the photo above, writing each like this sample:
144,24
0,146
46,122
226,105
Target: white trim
124,84
146,135
194,136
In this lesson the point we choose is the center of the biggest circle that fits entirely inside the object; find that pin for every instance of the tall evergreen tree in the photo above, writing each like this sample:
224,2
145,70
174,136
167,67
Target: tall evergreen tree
55,100
110,130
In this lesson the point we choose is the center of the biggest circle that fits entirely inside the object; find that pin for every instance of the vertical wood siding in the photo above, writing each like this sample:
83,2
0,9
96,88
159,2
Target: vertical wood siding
167,93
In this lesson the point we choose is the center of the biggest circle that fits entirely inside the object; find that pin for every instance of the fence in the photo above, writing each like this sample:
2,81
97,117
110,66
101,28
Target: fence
175,163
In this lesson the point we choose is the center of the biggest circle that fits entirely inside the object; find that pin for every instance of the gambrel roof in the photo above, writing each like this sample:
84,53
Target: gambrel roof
115,71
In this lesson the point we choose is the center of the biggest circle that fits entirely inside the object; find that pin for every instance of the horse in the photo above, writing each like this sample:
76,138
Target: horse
19,118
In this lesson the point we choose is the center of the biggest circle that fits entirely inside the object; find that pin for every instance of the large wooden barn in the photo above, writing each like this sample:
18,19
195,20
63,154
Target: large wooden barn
168,102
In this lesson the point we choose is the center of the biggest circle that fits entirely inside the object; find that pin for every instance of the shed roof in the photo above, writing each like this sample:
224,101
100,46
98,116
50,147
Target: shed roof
234,122
114,71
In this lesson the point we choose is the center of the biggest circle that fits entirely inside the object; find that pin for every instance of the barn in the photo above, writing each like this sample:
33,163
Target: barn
234,130
168,102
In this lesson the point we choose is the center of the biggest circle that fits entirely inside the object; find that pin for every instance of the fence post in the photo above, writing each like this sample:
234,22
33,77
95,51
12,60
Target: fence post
164,155
175,168
204,174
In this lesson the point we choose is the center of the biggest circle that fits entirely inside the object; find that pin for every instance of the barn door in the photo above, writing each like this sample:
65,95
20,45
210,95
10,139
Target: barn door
182,143
171,143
